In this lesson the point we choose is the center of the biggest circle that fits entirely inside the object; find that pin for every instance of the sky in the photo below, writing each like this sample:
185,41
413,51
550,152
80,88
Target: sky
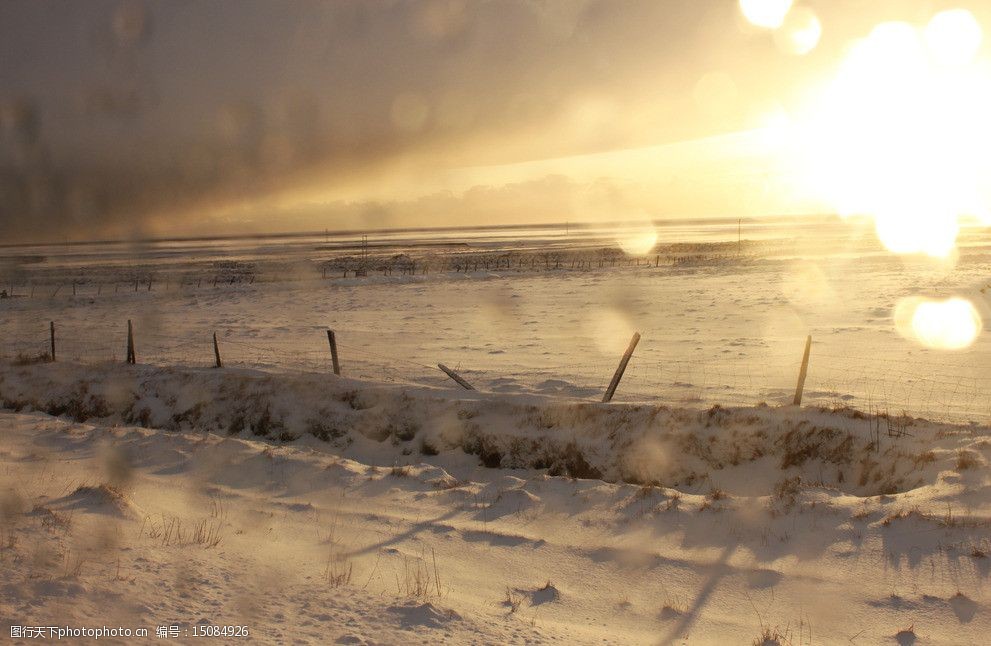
145,119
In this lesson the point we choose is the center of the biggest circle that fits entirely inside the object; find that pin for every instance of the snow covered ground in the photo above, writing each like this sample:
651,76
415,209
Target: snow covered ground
389,505
718,329
318,510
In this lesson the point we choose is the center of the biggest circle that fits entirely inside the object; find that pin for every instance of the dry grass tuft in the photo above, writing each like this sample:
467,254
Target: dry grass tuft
170,530
338,571
775,636
418,579
967,459
513,600
31,359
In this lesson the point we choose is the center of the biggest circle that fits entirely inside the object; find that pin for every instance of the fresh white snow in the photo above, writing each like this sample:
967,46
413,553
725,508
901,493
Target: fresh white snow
389,506
825,526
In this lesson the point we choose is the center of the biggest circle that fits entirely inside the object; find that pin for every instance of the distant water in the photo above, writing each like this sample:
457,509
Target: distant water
805,234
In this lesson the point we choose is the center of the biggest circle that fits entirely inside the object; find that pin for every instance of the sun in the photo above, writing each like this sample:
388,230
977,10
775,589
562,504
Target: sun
901,133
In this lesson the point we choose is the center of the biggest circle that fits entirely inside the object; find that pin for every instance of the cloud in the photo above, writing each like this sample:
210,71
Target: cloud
135,118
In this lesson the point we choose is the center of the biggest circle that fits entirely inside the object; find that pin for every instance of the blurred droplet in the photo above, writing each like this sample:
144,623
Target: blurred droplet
769,14
639,241
409,112
21,119
12,505
439,19
116,467
130,23
799,33
951,324
610,328
953,37
590,114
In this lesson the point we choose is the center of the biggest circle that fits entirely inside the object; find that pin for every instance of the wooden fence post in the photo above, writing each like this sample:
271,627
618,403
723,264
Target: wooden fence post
51,326
456,377
216,351
332,340
804,371
131,358
611,390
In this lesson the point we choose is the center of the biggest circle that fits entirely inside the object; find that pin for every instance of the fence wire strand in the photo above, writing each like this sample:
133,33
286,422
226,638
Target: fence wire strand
935,389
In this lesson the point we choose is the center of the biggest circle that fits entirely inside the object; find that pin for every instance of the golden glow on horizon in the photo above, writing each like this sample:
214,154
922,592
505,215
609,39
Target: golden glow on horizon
769,14
901,137
951,324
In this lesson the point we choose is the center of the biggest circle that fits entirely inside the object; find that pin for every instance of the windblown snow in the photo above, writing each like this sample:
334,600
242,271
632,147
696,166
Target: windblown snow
317,509
388,506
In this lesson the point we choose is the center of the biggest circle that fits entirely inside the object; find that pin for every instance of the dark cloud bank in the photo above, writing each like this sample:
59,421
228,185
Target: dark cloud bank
120,118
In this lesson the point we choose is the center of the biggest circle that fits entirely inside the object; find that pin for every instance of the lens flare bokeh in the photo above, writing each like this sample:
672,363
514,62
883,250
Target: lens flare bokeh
903,137
951,324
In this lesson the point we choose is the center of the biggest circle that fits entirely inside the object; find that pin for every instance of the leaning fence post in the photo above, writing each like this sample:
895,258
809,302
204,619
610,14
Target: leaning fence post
131,358
611,390
216,351
51,325
332,340
456,377
804,371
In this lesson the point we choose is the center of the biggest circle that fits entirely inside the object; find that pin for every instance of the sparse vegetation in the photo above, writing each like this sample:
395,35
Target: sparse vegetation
513,600
31,359
338,571
427,447
170,531
967,459
418,579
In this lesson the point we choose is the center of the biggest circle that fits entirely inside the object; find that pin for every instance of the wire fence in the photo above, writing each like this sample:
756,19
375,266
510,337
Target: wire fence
939,390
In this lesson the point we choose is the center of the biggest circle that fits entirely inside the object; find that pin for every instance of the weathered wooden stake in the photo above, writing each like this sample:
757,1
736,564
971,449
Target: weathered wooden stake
611,390
456,377
216,351
804,371
131,358
332,340
51,326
